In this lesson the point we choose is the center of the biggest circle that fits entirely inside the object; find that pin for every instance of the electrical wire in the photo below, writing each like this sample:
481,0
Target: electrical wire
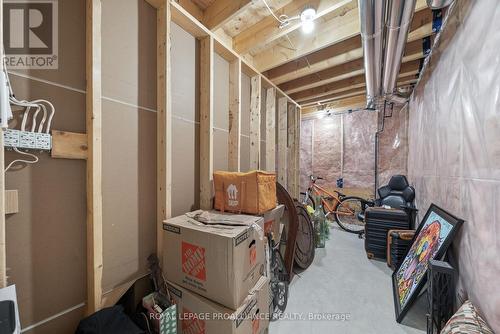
283,19
22,160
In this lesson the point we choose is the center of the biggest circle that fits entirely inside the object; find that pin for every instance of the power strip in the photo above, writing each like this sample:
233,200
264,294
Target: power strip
27,140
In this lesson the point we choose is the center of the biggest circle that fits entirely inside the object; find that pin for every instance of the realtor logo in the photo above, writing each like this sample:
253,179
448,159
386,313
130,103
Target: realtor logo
232,195
31,34
193,261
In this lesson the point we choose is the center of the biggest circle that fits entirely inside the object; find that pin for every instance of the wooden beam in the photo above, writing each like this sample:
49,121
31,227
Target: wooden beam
94,161
267,30
282,140
222,11
332,74
255,119
234,116
328,32
342,103
271,129
186,21
163,122
69,145
346,84
3,252
348,50
296,150
355,90
291,156
206,121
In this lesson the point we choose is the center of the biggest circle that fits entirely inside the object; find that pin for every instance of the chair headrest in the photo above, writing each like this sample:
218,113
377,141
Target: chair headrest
398,182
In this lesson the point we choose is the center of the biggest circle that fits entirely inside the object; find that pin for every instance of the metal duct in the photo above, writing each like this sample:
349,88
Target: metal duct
399,17
371,17
438,4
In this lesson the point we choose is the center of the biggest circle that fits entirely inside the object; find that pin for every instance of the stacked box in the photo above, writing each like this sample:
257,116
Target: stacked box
214,263
198,314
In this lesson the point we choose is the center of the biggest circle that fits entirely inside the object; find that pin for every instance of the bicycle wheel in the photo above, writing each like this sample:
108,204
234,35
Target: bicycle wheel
304,244
346,214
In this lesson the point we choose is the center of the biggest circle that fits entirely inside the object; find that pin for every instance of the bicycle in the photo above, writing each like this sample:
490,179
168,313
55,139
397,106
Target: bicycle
278,280
346,210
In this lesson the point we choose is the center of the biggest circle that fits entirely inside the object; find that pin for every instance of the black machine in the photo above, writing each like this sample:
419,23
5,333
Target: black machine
393,210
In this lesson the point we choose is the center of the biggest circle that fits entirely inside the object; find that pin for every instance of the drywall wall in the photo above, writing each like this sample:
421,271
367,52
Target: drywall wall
46,240
129,140
185,122
454,156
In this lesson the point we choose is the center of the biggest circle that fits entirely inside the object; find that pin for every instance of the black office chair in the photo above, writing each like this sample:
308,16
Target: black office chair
399,196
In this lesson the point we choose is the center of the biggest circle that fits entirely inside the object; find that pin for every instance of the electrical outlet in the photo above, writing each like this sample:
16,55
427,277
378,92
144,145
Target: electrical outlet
27,139
43,141
11,137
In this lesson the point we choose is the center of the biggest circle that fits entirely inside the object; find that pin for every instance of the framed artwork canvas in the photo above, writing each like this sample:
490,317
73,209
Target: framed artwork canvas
431,240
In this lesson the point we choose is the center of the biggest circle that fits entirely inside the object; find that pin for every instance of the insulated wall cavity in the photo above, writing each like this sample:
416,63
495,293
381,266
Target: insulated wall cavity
454,155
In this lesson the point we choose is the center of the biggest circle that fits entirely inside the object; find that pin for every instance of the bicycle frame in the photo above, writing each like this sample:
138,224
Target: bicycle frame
329,205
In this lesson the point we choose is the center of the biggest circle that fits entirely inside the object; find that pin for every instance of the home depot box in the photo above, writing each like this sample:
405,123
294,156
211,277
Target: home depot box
272,221
199,315
217,255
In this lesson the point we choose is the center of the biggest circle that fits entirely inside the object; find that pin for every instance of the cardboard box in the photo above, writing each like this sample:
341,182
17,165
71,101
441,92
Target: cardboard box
272,221
217,255
198,315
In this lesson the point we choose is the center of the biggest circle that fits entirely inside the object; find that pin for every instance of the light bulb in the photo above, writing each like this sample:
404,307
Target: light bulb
307,27
308,14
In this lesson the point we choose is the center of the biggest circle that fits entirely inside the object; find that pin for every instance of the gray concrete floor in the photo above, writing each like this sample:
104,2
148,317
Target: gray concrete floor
343,284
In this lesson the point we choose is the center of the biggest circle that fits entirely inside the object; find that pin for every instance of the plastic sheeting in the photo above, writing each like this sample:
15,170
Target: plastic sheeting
393,145
341,146
454,151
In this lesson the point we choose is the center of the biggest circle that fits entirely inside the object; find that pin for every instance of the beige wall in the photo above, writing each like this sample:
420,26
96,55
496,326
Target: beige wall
46,239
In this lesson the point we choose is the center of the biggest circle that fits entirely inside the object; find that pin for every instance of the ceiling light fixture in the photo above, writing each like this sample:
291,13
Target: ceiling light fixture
307,17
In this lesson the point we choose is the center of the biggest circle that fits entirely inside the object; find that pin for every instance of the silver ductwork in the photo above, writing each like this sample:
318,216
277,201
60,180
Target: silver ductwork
371,13
398,19
438,4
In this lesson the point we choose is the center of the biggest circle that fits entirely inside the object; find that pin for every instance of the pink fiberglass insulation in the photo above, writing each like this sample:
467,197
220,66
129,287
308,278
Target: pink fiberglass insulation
306,133
359,149
454,151
393,145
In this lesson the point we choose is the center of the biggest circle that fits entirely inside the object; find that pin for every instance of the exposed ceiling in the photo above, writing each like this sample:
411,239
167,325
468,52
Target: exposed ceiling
322,68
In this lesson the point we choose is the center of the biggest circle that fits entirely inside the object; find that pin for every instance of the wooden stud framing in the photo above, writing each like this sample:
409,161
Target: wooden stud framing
94,161
189,23
206,120
296,153
163,122
282,140
3,257
69,145
234,115
255,110
221,11
291,150
271,129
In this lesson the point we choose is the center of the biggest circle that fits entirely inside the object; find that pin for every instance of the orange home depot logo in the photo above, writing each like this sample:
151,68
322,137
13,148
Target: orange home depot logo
253,253
232,195
193,261
191,324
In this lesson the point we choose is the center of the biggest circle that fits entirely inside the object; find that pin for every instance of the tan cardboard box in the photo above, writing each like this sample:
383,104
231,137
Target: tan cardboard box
272,221
199,315
217,255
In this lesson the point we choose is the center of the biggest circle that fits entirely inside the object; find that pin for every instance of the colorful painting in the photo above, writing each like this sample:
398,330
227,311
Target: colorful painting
430,242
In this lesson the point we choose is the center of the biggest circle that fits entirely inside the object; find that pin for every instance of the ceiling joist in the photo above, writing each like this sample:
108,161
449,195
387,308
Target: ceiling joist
267,30
222,11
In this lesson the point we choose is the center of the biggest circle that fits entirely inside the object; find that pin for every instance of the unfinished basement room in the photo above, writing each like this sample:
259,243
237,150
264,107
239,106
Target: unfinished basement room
250,166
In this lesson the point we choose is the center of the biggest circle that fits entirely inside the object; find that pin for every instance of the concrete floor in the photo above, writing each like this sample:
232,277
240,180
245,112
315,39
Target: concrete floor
343,284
